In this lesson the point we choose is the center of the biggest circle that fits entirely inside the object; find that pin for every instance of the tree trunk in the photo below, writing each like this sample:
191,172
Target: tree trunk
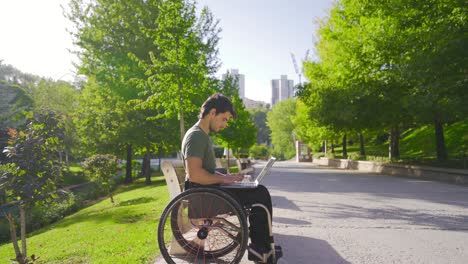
109,192
180,88
14,238
147,166
440,141
333,147
128,175
361,142
345,150
23,230
182,126
159,159
142,172
325,147
394,144
181,112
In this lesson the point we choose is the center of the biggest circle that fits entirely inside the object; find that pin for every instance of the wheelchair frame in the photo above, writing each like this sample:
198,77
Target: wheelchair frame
264,257
179,244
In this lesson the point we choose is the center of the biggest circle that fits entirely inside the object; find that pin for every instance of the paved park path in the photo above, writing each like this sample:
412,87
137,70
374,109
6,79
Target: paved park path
329,216
339,216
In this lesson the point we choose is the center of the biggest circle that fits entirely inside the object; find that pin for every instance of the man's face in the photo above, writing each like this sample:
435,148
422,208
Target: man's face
218,121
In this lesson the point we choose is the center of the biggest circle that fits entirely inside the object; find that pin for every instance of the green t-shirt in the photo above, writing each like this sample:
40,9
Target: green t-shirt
197,143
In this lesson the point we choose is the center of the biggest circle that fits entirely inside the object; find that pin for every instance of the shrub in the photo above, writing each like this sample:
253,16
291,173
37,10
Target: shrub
318,155
278,154
136,168
259,151
378,159
46,214
41,214
100,168
72,177
356,156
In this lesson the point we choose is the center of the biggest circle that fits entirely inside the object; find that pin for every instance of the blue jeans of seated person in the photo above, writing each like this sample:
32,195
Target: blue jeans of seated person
259,231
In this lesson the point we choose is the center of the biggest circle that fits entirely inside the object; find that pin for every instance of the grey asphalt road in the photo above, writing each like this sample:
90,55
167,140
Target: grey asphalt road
339,216
330,216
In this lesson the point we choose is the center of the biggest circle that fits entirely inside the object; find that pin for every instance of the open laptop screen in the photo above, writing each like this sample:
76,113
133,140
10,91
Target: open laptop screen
265,169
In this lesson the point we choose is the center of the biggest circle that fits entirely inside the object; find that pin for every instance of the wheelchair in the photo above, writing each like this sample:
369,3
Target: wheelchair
207,225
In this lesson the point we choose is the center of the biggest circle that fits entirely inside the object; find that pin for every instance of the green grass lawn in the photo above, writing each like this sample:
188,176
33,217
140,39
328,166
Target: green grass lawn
104,233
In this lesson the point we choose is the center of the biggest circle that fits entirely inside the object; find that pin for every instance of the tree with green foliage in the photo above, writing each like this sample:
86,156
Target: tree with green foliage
379,67
59,96
99,120
360,86
259,151
15,102
240,132
113,38
435,36
12,75
33,171
307,129
156,136
259,117
62,98
281,126
101,168
185,57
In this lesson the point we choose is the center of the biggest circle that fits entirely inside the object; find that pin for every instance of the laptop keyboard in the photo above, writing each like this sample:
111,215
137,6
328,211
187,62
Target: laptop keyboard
244,184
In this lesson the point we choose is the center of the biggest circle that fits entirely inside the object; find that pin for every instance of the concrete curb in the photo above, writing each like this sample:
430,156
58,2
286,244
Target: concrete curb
440,174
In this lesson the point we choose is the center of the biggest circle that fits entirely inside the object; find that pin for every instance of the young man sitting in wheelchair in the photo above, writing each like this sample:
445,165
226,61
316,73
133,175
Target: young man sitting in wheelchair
199,158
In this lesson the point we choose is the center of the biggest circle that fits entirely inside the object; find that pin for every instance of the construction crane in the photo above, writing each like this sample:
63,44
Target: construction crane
306,57
296,68
299,72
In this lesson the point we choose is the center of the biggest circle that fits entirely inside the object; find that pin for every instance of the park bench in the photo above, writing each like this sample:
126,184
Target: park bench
174,174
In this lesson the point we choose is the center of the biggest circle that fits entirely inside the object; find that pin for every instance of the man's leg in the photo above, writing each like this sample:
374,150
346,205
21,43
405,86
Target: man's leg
259,230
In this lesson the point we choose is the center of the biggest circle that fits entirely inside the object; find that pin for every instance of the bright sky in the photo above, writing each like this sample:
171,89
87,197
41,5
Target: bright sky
257,38
33,38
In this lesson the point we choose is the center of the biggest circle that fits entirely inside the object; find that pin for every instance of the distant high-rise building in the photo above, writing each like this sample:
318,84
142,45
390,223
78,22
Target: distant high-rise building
240,79
281,89
274,92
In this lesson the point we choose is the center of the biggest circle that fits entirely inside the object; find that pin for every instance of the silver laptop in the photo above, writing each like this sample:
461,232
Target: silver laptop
251,183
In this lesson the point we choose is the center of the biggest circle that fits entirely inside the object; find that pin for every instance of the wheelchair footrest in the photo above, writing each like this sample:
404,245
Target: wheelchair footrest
262,251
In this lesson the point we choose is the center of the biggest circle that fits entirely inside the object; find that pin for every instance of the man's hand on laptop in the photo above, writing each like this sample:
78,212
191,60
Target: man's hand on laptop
228,178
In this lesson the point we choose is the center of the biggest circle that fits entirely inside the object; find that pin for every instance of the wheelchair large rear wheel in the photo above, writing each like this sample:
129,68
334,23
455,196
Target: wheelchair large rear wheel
203,225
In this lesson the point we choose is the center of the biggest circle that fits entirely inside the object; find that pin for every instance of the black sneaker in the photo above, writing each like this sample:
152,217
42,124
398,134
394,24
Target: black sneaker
278,252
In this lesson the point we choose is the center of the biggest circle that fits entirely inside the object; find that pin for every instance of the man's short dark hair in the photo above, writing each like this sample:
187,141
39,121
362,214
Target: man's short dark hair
218,101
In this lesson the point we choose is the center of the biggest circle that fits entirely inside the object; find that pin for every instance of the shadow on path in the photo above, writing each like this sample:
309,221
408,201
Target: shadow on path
284,203
289,221
307,250
401,216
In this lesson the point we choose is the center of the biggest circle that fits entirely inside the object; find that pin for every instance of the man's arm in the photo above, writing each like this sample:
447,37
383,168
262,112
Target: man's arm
197,174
